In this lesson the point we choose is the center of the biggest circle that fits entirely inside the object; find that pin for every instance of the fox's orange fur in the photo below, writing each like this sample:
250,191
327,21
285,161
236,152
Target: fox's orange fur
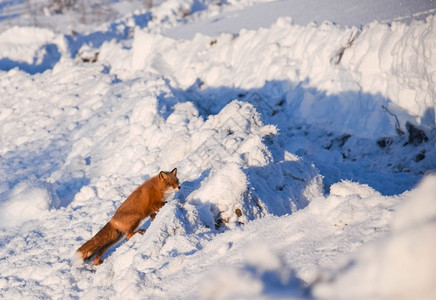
144,202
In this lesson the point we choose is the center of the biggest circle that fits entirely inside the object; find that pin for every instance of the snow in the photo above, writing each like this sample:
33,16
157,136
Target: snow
401,264
304,140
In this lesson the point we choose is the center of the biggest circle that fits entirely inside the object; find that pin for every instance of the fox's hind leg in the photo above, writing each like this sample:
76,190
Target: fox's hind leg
99,254
100,251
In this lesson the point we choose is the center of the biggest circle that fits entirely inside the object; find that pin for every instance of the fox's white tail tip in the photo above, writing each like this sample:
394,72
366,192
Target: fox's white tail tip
77,259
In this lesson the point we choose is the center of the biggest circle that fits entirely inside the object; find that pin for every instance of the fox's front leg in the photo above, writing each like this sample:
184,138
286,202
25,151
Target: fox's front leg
130,234
131,231
153,214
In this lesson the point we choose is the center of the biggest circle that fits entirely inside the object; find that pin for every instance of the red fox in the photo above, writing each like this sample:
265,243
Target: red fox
144,202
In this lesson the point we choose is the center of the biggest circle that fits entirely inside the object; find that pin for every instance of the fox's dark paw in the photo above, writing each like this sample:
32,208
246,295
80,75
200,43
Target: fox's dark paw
141,231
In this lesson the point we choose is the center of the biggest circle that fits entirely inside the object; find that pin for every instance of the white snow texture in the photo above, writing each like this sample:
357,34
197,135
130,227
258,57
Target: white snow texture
305,150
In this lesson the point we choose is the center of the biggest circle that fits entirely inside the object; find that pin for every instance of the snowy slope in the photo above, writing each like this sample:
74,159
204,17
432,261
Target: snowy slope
264,13
306,153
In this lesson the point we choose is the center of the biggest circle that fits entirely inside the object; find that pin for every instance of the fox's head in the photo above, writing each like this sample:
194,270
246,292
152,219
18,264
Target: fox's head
169,180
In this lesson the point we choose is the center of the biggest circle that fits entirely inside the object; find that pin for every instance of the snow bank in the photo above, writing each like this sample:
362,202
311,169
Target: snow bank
400,265
326,70
392,60
320,70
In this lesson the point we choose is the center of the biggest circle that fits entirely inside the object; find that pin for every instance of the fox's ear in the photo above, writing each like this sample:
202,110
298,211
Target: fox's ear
174,172
162,175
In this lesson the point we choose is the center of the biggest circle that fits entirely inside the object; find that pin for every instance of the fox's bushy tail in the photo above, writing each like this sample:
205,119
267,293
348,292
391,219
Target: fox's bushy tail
99,243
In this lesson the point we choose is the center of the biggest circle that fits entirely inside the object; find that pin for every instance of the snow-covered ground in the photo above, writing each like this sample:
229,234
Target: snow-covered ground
305,150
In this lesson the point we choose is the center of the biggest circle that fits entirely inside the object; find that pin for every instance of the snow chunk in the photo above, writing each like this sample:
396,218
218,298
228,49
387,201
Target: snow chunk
223,192
347,188
145,49
26,202
24,44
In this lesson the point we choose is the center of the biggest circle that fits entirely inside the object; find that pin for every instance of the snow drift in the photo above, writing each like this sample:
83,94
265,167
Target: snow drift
399,266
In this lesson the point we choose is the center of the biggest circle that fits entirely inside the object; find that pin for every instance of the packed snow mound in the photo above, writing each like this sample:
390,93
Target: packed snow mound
400,265
243,175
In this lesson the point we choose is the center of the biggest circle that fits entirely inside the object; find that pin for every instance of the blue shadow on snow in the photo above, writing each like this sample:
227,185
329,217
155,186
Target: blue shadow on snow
32,163
51,57
326,145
